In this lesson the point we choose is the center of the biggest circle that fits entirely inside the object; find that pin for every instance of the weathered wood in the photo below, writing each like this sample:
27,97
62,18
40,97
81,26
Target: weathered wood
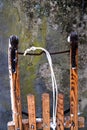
14,81
74,99
68,122
31,112
74,81
46,111
18,97
60,112
39,123
73,121
42,123
25,123
11,125
81,122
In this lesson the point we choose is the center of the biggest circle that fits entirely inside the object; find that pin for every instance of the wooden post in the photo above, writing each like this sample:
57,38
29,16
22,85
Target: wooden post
60,112
46,111
14,81
74,81
31,112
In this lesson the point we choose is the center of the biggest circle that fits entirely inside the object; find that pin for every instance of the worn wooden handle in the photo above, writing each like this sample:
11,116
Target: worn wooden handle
74,47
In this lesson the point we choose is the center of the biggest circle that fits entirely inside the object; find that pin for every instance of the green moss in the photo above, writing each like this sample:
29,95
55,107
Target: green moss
29,64
44,30
27,71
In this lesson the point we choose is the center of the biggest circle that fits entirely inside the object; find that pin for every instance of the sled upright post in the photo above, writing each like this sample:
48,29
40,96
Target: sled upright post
14,81
74,81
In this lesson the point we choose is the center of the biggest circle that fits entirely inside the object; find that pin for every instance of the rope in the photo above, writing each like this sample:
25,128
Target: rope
54,84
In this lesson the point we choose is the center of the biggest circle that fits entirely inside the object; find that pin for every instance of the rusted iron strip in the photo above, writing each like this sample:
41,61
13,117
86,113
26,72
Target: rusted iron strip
42,52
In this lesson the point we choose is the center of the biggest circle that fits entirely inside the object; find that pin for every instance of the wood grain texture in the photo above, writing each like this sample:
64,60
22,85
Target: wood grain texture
68,122
60,112
18,96
46,111
31,112
15,86
74,93
25,123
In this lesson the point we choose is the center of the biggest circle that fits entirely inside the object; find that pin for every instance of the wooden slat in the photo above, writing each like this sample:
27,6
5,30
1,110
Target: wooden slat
11,125
68,122
39,123
25,123
60,112
31,112
74,100
81,122
74,81
46,111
